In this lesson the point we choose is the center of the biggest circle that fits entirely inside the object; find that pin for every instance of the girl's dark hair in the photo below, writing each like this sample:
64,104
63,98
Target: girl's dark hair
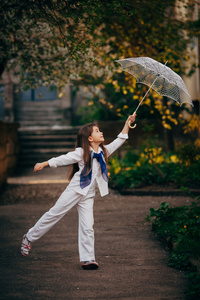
82,141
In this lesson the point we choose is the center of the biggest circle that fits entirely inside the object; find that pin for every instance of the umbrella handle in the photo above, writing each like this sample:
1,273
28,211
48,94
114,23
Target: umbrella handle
129,123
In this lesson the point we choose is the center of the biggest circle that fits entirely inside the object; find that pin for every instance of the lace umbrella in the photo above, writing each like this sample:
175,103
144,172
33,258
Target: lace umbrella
157,76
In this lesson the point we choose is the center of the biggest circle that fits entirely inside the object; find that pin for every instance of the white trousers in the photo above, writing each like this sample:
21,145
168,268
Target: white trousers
66,201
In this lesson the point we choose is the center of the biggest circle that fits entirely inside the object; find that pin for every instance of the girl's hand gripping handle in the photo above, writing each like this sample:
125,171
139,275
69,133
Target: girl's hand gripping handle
129,123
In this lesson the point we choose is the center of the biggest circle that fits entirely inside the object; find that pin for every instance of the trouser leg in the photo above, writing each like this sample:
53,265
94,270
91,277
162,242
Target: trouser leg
86,231
66,201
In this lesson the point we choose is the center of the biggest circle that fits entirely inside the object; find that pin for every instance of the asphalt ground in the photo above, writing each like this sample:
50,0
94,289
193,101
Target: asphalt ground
133,263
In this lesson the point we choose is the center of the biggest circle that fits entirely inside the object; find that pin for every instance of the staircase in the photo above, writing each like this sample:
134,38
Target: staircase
38,113
42,133
37,145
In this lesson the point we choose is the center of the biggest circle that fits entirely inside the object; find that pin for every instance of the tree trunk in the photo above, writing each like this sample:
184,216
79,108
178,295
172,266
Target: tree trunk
169,139
2,66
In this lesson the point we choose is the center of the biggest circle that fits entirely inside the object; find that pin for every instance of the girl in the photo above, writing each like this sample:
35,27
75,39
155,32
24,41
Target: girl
89,169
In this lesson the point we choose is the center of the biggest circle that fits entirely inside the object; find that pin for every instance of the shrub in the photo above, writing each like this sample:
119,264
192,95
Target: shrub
178,229
188,154
153,166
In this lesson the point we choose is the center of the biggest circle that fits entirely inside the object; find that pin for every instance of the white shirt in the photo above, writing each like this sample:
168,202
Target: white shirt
76,156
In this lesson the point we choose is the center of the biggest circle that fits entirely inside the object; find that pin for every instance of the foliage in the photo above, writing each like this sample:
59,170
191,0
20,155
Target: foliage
188,154
116,99
49,40
53,42
160,34
154,166
193,128
178,229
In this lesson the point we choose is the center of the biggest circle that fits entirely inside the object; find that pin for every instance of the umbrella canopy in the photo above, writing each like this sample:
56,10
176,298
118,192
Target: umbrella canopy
157,76
167,82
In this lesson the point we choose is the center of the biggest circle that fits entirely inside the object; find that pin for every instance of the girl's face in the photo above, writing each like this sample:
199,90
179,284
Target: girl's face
96,136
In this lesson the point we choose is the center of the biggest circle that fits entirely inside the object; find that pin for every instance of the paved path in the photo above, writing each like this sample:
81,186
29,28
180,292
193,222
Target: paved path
133,264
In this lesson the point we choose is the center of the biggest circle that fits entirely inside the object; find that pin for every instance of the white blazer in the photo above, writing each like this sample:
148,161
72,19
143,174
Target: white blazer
76,156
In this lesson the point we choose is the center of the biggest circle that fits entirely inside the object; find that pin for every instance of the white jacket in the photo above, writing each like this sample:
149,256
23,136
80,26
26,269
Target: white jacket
76,156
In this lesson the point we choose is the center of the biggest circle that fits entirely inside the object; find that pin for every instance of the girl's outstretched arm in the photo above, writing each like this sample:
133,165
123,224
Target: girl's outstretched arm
71,157
126,126
40,166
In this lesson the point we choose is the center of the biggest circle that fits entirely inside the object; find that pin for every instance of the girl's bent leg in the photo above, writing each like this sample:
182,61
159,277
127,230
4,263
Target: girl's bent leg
86,231
66,201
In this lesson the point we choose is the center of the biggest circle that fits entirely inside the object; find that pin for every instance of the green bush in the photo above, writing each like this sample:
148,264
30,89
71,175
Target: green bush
179,230
188,154
153,166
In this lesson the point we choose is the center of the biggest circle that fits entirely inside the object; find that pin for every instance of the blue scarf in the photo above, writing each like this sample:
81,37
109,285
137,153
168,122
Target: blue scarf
86,179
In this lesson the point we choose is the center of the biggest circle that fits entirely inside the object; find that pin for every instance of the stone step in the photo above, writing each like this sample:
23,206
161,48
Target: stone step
41,122
46,103
29,158
49,132
35,155
50,139
39,113
26,144
45,118
47,150
37,104
40,144
42,133
29,109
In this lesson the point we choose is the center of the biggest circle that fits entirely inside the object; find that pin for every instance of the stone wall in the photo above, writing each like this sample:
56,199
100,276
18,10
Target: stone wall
9,149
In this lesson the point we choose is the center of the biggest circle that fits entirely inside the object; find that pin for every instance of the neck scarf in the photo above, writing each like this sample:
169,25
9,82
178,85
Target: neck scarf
86,179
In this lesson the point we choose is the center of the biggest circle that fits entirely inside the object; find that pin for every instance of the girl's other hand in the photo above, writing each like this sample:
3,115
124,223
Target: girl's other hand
38,167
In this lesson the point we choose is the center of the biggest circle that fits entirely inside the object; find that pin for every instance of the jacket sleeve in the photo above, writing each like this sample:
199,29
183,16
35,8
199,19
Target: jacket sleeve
118,142
66,159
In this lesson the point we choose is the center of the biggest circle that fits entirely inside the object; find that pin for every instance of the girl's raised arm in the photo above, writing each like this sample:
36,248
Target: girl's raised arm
121,138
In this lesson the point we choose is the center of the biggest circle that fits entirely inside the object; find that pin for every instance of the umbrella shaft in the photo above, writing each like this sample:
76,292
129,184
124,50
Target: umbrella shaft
145,95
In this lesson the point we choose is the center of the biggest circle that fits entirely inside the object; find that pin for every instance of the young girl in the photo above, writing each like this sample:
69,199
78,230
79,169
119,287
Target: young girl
89,169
